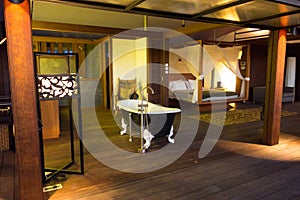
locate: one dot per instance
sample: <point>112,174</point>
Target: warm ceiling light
<point>16,1</point>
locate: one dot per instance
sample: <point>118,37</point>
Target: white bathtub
<point>152,110</point>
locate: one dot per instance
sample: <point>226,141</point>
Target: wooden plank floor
<point>238,167</point>
<point>8,176</point>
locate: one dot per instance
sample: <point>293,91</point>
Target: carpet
<point>233,117</point>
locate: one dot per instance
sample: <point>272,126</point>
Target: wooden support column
<point>274,86</point>
<point>200,82</point>
<point>23,92</point>
<point>247,73</point>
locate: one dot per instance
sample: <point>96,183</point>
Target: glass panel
<point>59,136</point>
<point>93,61</point>
<point>291,20</point>
<point>251,10</point>
<point>56,64</point>
<point>53,65</point>
<point>183,6</point>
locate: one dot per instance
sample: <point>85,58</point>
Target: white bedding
<point>207,95</point>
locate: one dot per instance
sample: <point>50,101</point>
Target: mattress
<point>218,95</point>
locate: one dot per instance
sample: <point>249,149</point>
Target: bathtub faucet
<point>141,109</point>
<point>145,88</point>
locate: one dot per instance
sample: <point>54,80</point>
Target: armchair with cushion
<point>125,89</point>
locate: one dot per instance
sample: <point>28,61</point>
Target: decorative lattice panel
<point>57,86</point>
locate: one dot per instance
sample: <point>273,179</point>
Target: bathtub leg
<point>124,126</point>
<point>147,137</point>
<point>171,140</point>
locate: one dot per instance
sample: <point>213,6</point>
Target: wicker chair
<point>125,89</point>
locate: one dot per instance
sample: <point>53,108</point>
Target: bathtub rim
<point>161,109</point>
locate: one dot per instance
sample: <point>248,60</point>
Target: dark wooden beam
<point>74,28</point>
<point>23,92</point>
<point>274,86</point>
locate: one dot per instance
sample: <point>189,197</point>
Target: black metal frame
<point>64,168</point>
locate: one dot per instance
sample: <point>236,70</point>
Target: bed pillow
<point>192,83</point>
<point>178,85</point>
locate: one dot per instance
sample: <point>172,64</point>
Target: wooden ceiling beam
<point>73,28</point>
<point>68,40</point>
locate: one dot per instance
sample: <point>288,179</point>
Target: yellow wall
<point>129,61</point>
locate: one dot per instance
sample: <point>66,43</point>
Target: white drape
<point>213,57</point>
<point>227,57</point>
<point>216,57</point>
<point>190,56</point>
<point>290,72</point>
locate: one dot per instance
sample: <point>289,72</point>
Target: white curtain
<point>290,72</point>
<point>228,57</point>
<point>190,56</point>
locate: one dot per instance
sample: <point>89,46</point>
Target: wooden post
<point>23,92</point>
<point>274,86</point>
<point>247,73</point>
<point>200,82</point>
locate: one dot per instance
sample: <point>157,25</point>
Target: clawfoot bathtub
<point>159,117</point>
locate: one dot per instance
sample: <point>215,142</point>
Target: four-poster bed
<point>215,78</point>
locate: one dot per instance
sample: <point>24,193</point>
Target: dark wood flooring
<point>238,167</point>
